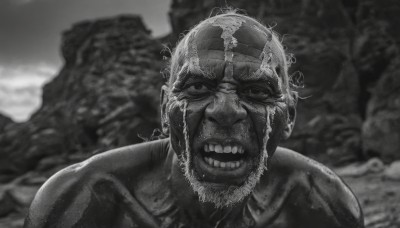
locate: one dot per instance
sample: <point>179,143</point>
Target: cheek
<point>278,124</point>
<point>193,117</point>
<point>259,118</point>
<point>175,116</point>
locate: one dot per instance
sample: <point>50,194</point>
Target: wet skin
<point>142,186</point>
<point>224,95</point>
<point>227,104</point>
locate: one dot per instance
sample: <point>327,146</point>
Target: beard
<point>231,194</point>
<point>224,197</point>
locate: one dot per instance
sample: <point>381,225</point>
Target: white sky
<point>30,34</point>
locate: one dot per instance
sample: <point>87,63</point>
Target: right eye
<point>197,89</point>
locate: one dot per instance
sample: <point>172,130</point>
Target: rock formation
<point>377,57</point>
<point>105,96</point>
<point>4,122</point>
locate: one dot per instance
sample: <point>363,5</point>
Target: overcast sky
<point>30,34</point>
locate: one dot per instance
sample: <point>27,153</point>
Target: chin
<point>220,189</point>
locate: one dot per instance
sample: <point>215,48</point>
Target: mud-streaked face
<point>226,106</point>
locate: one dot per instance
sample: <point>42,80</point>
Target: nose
<point>225,110</point>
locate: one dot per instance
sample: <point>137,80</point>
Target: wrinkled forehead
<point>234,34</point>
<point>233,39</point>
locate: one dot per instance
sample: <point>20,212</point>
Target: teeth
<point>223,149</point>
<point>216,163</point>
<point>218,149</point>
<point>224,165</point>
<point>234,150</point>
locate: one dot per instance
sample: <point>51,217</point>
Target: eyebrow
<point>260,76</point>
<point>184,74</point>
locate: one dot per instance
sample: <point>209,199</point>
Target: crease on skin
<point>229,26</point>
<point>267,131</point>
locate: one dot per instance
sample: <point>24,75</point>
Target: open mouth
<point>224,157</point>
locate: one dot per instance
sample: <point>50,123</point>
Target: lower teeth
<point>226,165</point>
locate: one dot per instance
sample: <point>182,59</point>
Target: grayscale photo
<point>199,114</point>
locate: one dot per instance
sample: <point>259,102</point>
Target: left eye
<point>197,89</point>
<point>256,92</point>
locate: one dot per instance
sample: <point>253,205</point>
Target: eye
<point>256,92</point>
<point>197,89</point>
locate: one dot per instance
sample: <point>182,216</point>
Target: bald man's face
<point>226,107</point>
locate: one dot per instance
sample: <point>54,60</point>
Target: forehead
<point>242,37</point>
<point>246,44</point>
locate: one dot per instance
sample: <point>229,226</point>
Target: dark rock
<point>4,122</point>
<point>375,43</point>
<point>105,96</point>
<point>23,195</point>
<point>14,220</point>
<point>50,162</point>
<point>393,171</point>
<point>7,205</point>
<point>381,129</point>
<point>376,57</point>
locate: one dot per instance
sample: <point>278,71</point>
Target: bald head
<point>231,38</point>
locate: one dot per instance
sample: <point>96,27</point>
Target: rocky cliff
<point>105,96</point>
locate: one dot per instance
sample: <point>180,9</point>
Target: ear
<point>291,117</point>
<point>164,114</point>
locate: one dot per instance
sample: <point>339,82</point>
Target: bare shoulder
<point>93,184</point>
<point>317,193</point>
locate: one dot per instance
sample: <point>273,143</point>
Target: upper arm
<point>68,200</point>
<point>327,202</point>
<point>320,198</point>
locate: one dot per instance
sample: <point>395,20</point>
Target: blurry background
<point>81,77</point>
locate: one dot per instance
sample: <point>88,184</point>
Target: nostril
<point>238,121</point>
<point>211,119</point>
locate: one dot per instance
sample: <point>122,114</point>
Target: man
<point>226,106</point>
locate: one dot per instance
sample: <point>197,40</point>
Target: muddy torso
<point>132,187</point>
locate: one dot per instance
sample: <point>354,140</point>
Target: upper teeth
<point>217,148</point>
